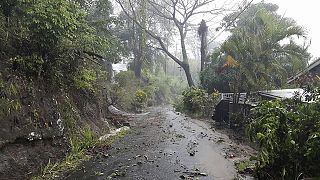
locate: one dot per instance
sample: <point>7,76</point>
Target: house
<point>307,76</point>
<point>231,104</point>
<point>233,107</point>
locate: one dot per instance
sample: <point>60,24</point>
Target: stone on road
<point>163,144</point>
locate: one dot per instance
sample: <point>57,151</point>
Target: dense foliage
<point>288,135</point>
<point>197,102</point>
<point>52,74</point>
<point>260,53</point>
<point>132,94</point>
<point>46,39</point>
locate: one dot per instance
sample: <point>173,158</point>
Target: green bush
<point>140,99</point>
<point>158,89</point>
<point>31,66</point>
<point>85,79</point>
<point>197,102</point>
<point>288,135</point>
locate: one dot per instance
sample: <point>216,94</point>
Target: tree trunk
<point>138,65</point>
<point>186,69</point>
<point>202,32</point>
<point>203,52</point>
<point>185,63</point>
<point>140,43</point>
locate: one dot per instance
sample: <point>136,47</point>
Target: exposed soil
<point>22,159</point>
<point>163,144</point>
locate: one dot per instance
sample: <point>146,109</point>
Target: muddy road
<point>166,145</point>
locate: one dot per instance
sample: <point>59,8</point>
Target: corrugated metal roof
<point>282,93</point>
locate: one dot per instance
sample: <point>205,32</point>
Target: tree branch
<point>151,34</point>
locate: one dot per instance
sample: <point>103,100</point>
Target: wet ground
<point>166,145</point>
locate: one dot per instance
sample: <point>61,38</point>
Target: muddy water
<point>198,138</point>
<point>166,145</point>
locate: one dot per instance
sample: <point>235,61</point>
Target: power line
<point>228,25</point>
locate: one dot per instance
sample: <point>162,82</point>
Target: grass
<point>80,143</point>
<point>53,170</point>
<point>242,166</point>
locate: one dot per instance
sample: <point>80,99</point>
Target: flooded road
<point>163,144</point>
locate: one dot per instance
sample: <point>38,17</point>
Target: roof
<point>273,94</point>
<point>229,97</point>
<point>308,69</point>
<point>281,93</point>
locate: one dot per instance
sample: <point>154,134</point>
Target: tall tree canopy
<point>47,38</point>
<point>260,54</point>
<point>178,13</point>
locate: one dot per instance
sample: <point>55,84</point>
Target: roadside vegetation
<point>56,76</point>
<point>196,102</point>
<point>80,146</point>
<point>288,135</point>
<point>131,94</point>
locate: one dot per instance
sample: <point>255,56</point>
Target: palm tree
<point>259,47</point>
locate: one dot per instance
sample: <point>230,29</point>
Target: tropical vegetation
<point>259,54</point>
<point>288,135</point>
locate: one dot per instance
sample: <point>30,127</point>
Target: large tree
<point>261,52</point>
<point>179,13</point>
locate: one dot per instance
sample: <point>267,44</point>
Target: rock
<point>113,133</point>
<point>106,155</point>
<point>126,124</point>
<point>220,141</point>
<point>182,177</point>
<point>203,174</point>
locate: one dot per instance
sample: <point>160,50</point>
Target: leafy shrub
<point>197,102</point>
<point>127,79</point>
<point>85,79</point>
<point>140,99</point>
<point>30,65</point>
<point>288,134</point>
<point>130,93</point>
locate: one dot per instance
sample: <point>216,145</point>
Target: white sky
<point>306,14</point>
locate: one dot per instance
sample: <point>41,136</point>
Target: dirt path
<point>165,145</point>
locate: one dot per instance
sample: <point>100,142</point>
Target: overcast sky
<point>306,14</point>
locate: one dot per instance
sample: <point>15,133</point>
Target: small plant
<point>85,80</point>
<point>32,65</point>
<point>245,167</point>
<point>140,98</point>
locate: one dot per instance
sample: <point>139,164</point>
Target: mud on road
<point>166,145</point>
